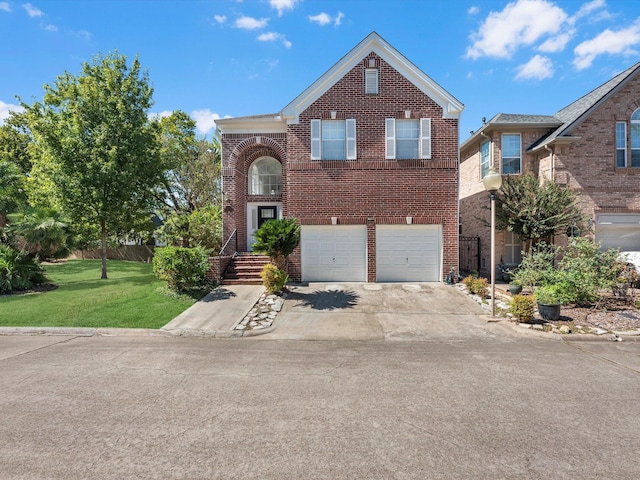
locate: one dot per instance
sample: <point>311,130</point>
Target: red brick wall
<point>370,190</point>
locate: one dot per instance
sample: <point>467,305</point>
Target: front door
<point>267,213</point>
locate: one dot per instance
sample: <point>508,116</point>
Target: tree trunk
<point>103,253</point>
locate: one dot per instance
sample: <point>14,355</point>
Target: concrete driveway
<point>356,311</point>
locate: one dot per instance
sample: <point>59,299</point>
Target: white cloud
<point>324,18</point>
<point>557,43</point>
<point>32,11</point>
<point>588,9</point>
<point>607,42</point>
<point>250,23</point>
<point>282,5</point>
<point>220,18</point>
<point>538,68</point>
<point>5,6</point>
<point>522,22</point>
<point>473,10</point>
<point>205,120</point>
<point>321,18</point>
<point>51,28</point>
<point>5,108</point>
<point>274,36</point>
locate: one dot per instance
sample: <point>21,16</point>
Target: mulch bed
<point>45,287</point>
<point>613,314</point>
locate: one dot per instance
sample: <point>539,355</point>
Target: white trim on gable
<point>451,107</point>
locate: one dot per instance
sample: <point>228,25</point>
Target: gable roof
<point>565,120</point>
<point>577,112</point>
<point>451,107</point>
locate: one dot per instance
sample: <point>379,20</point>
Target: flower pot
<point>549,312</point>
<point>515,288</point>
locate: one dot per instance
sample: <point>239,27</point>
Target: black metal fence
<point>469,254</point>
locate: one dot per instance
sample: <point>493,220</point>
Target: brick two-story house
<point>366,159</point>
<point>591,146</point>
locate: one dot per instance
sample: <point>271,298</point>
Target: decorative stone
<point>564,329</point>
<point>277,306</point>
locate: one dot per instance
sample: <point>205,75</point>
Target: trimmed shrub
<point>18,271</point>
<point>182,268</point>
<point>522,307</point>
<point>476,285</point>
<point>273,278</point>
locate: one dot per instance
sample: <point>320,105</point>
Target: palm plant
<point>277,239</point>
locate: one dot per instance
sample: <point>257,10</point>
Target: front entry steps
<point>244,269</point>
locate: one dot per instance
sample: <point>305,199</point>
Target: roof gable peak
<point>374,43</point>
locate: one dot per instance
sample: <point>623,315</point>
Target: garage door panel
<point>408,253</point>
<point>334,253</point>
<point>618,231</point>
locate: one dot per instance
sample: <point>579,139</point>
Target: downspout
<point>552,163</point>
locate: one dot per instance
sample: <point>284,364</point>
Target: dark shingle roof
<point>572,114</point>
<point>516,118</point>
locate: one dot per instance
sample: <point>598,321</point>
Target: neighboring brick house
<point>366,158</point>
<point>591,146</point>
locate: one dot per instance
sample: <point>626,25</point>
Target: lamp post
<point>492,182</point>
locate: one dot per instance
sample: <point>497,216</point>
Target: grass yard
<point>132,297</point>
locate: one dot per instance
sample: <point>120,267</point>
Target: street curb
<point>570,337</point>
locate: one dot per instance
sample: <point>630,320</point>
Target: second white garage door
<point>618,231</point>
<point>334,253</point>
<point>408,253</point>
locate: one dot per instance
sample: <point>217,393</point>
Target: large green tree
<point>190,191</point>
<point>97,150</point>
<point>536,210</point>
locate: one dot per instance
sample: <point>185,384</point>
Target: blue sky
<point>221,58</point>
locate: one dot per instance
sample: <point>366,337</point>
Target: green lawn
<point>132,297</point>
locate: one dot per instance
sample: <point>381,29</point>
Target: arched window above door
<point>265,177</point>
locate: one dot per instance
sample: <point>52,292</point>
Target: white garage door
<point>334,253</point>
<point>408,253</point>
<point>618,231</point>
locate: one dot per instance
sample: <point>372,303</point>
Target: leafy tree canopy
<point>536,210</point>
<point>98,152</point>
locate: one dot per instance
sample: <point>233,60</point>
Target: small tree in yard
<point>536,211</point>
<point>277,239</point>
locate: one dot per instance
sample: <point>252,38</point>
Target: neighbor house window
<point>621,144</point>
<point>484,159</point>
<point>511,153</point>
<point>635,139</point>
<point>408,138</point>
<point>333,139</point>
<point>265,177</point>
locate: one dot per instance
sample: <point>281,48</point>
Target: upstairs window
<point>333,139</point>
<point>484,159</point>
<point>635,138</point>
<point>621,144</point>
<point>265,177</point>
<point>408,138</point>
<point>511,154</point>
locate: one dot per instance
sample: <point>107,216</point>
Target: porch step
<point>245,269</point>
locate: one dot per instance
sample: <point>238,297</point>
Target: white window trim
<point>424,140</point>
<point>503,157</point>
<point>371,81</point>
<point>350,139</point>
<point>488,162</point>
<point>624,147</point>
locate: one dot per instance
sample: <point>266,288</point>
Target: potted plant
<point>515,286</point>
<point>550,299</point>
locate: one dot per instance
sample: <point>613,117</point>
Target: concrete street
<point>476,406</point>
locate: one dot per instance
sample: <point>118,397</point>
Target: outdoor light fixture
<point>492,182</point>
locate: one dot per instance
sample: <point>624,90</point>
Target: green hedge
<point>182,268</point>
